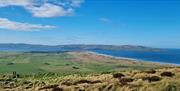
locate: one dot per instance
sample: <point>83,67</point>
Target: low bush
<point>118,75</point>
<point>124,81</point>
<point>167,74</point>
<point>152,78</point>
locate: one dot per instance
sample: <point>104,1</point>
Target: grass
<point>79,71</point>
<point>95,82</point>
<point>64,63</point>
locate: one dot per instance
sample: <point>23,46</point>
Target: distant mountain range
<point>31,47</point>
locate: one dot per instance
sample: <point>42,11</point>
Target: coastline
<point>133,59</point>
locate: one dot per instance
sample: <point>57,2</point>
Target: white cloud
<point>49,10</point>
<point>45,8</point>
<point>4,3</point>
<point>11,25</point>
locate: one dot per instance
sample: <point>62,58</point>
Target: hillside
<point>76,71</point>
<point>30,47</point>
<point>164,79</point>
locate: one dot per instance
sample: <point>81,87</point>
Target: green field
<point>71,62</point>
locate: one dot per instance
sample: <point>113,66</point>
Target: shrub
<point>81,82</point>
<point>94,82</point>
<point>18,76</point>
<point>124,81</point>
<point>49,87</point>
<point>15,75</point>
<point>47,63</point>
<point>74,67</point>
<point>57,89</point>
<point>27,82</point>
<point>67,83</point>
<point>10,63</point>
<point>152,71</point>
<point>67,64</point>
<point>118,75</point>
<point>167,74</point>
<point>152,78</point>
<point>171,88</point>
<point>105,72</point>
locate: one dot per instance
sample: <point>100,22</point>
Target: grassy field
<point>131,80</point>
<point>82,71</point>
<point>70,62</point>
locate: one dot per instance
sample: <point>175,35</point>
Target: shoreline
<point>133,59</point>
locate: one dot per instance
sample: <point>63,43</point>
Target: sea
<point>167,56</point>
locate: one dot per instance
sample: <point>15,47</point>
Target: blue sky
<point>154,23</point>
